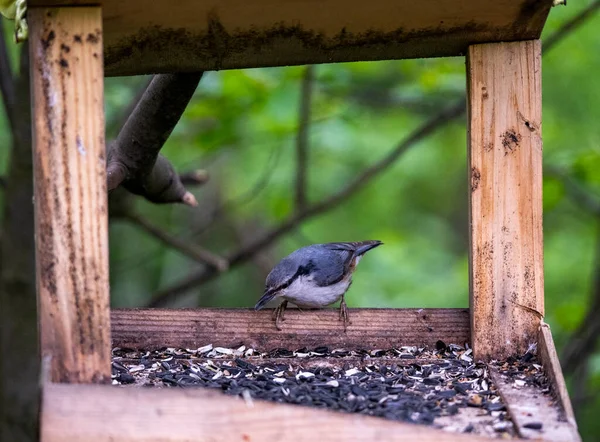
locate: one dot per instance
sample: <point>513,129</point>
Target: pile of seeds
<point>525,371</point>
<point>442,387</point>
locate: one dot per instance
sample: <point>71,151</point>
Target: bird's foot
<point>344,315</point>
<point>278,314</point>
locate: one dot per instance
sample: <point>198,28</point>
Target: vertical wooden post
<point>71,221</point>
<point>505,166</point>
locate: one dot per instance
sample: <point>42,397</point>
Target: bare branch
<point>165,296</point>
<point>191,250</point>
<point>134,159</point>
<point>7,81</point>
<point>302,138</point>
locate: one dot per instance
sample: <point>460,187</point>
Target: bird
<point>314,276</point>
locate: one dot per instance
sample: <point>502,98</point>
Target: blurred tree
<point>18,318</point>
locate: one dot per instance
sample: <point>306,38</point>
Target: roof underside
<point>159,36</point>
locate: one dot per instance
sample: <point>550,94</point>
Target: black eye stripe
<point>302,271</point>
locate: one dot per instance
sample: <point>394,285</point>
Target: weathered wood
<point>505,167</point>
<point>551,363</point>
<point>526,405</point>
<point>151,36</point>
<point>370,328</point>
<point>74,413</point>
<point>70,192</point>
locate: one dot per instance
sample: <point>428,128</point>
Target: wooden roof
<point>158,36</point>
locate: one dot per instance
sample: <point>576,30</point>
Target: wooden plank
<point>73,413</point>
<point>551,363</point>
<point>527,405</point>
<point>505,164</point>
<point>71,223</point>
<point>152,36</point>
<point>370,328</point>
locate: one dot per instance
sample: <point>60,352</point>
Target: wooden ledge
<point>80,413</point>
<point>370,328</point>
<point>549,357</point>
<point>159,36</point>
<point>73,413</point>
<point>525,405</point>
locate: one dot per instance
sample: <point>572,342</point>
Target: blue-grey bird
<point>315,276</point>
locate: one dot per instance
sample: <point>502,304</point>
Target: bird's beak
<point>265,299</point>
<point>366,247</point>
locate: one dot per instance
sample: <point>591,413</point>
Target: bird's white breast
<point>305,293</point>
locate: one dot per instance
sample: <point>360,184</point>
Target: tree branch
<point>581,393</point>
<point>193,251</point>
<point>571,25</point>
<point>165,296</point>
<point>19,375</point>
<point>302,137</point>
<point>583,341</point>
<point>7,82</point>
<point>246,197</point>
<point>585,199</point>
<point>133,158</point>
<point>194,178</point>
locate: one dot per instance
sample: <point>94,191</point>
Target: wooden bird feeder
<point>75,43</point>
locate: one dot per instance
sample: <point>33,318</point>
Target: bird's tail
<point>265,299</point>
<point>363,247</point>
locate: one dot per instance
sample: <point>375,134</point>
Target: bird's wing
<point>326,263</point>
<point>330,265</point>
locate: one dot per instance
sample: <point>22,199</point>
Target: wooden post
<point>505,167</point>
<point>71,221</point>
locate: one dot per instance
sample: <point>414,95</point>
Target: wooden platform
<point>152,36</point>
<point>73,47</point>
<point>78,413</point>
<point>81,412</point>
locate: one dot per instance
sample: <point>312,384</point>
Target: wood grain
<point>152,36</point>
<point>505,166</point>
<point>551,363</point>
<point>71,223</point>
<point>370,328</point>
<point>80,413</point>
<point>526,405</point>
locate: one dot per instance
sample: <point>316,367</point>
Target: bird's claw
<point>344,315</point>
<point>278,314</point>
